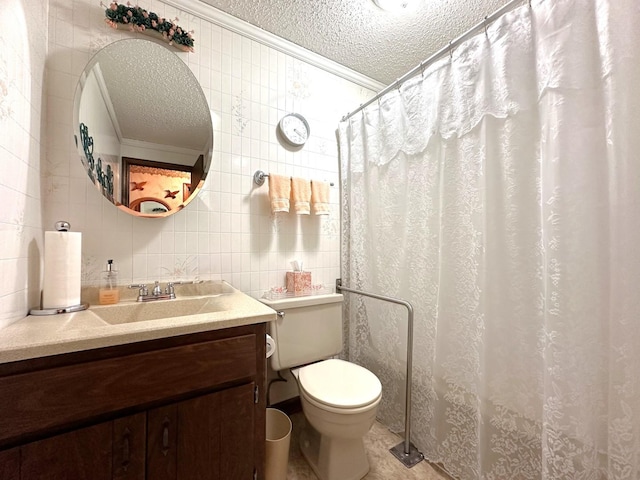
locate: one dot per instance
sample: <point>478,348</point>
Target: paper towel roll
<point>62,268</point>
<point>271,345</point>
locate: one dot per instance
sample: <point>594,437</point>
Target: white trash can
<point>278,439</point>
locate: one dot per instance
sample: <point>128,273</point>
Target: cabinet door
<point>199,440</point>
<point>80,454</point>
<point>10,464</point>
<point>215,437</point>
<point>236,416</point>
<point>162,435</point>
<point>129,445</point>
<point>184,440</point>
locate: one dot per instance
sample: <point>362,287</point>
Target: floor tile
<point>384,466</point>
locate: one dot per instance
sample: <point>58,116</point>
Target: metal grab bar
<point>406,452</point>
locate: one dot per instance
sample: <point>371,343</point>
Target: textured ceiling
<point>155,96</point>
<point>357,34</point>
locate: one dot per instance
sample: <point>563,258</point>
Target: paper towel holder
<point>60,226</point>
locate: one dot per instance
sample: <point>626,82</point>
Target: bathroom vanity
<point>166,398</point>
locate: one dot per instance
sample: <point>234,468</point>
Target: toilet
<point>339,399</point>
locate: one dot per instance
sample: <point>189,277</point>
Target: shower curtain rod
<point>447,48</point>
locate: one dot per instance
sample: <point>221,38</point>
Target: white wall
<point>227,232</point>
<point>23,44</point>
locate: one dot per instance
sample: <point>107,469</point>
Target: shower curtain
<point>499,193</point>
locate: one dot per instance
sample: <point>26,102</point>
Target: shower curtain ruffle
<point>491,74</point>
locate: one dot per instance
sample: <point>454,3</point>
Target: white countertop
<point>41,336</point>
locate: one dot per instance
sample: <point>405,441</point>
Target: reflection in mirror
<point>149,205</point>
<point>143,128</point>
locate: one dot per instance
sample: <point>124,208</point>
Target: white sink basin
<point>156,310</point>
<point>209,297</point>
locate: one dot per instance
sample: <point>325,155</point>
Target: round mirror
<point>143,128</point>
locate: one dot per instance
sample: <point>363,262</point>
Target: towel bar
<point>259,176</point>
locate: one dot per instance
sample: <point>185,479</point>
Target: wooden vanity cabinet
<point>181,408</point>
<point>10,464</point>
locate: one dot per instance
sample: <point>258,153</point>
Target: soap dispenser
<point>108,293</point>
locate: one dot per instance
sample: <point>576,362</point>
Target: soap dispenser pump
<point>108,293</point>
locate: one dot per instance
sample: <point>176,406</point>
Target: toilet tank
<point>310,330</point>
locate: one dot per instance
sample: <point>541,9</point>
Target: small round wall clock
<point>294,129</point>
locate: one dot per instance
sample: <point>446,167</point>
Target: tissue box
<point>299,283</point>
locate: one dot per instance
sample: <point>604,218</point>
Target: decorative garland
<point>138,19</point>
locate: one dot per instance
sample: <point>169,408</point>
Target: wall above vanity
<point>249,79</point>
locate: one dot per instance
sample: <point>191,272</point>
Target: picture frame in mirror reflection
<point>137,105</point>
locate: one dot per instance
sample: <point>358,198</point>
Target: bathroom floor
<point>384,466</point>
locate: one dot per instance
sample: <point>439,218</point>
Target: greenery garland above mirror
<point>138,19</point>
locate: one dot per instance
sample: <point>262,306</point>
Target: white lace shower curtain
<point>499,193</point>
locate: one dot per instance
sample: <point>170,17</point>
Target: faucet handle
<point>156,288</point>
<point>169,290</point>
<point>143,288</point>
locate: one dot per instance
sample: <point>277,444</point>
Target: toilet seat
<point>340,384</point>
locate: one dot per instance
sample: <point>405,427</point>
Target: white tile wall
<point>228,232</point>
<point>23,43</point>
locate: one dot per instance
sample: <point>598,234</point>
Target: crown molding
<point>223,19</point>
<point>141,144</point>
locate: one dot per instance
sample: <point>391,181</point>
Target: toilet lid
<point>340,384</point>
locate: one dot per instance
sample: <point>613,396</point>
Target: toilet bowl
<point>340,401</point>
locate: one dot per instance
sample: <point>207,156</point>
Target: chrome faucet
<point>156,293</point>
